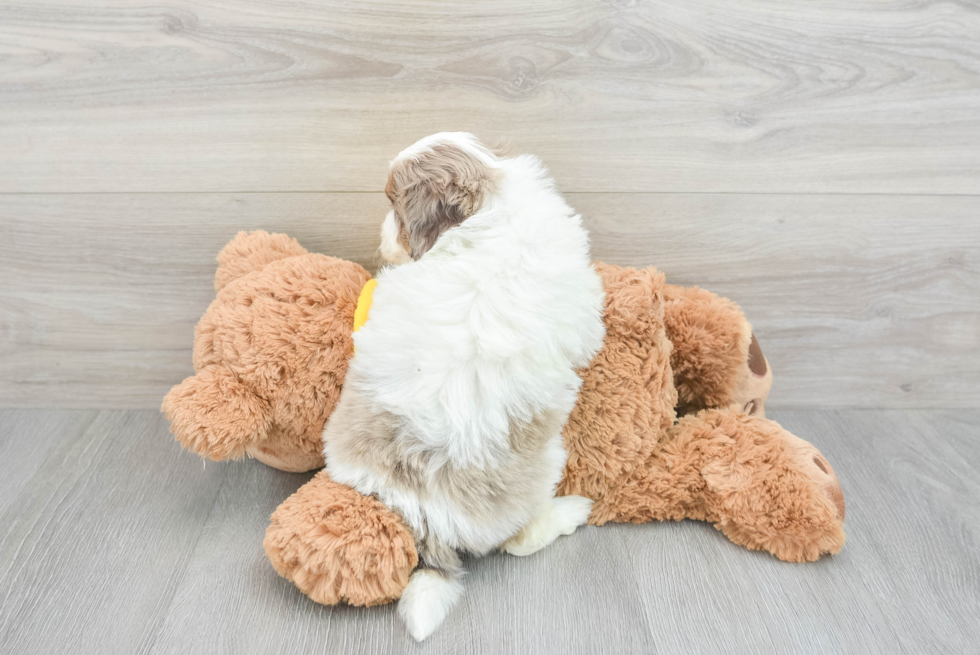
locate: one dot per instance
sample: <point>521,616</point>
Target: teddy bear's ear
<point>251,251</point>
<point>215,415</point>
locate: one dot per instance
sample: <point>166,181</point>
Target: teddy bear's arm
<point>716,360</point>
<point>214,415</point>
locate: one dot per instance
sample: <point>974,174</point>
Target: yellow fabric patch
<point>364,304</point>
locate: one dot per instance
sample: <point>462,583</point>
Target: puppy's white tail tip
<point>426,601</point>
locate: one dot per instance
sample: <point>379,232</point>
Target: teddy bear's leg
<point>765,488</point>
<point>716,360</point>
<point>251,251</point>
<point>215,415</point>
<point>337,545</point>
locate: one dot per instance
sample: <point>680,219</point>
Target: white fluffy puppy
<point>453,405</point>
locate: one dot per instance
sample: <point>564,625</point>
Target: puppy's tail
<point>432,591</point>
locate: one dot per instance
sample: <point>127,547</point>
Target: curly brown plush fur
<point>271,354</point>
<point>337,545</point>
<point>756,482</point>
<point>627,397</point>
<point>716,359</point>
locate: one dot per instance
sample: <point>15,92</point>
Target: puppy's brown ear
<point>437,190</point>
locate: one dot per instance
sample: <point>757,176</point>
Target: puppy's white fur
<point>485,328</point>
<point>391,250</point>
<point>559,517</point>
<point>426,601</point>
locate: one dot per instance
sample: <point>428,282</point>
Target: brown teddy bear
<point>272,350</point>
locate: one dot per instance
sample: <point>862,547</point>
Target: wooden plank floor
<point>113,540</point>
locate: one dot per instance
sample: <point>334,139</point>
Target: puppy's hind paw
<point>560,517</point>
<point>571,512</point>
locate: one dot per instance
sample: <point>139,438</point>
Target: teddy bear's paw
<point>775,492</point>
<point>559,517</point>
<point>337,545</point>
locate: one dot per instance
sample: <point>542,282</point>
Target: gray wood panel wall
<point>818,163</point>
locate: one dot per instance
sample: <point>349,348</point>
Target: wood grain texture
<point>858,300</point>
<point>817,162</point>
<point>95,539</point>
<point>121,543</point>
<point>99,294</point>
<point>678,95</point>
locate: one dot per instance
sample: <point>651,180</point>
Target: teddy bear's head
<point>270,354</point>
